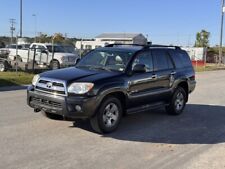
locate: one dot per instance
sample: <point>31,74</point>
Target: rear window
<point>180,58</point>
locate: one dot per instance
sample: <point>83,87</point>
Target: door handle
<point>154,76</point>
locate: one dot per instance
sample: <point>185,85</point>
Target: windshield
<point>69,49</point>
<point>57,49</point>
<point>106,60</point>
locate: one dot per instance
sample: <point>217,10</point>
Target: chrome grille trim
<point>58,87</point>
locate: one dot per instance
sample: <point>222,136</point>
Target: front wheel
<point>55,65</point>
<point>178,102</point>
<point>108,117</point>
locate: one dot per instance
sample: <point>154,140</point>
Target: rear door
<point>164,71</point>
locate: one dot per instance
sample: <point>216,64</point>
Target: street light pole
<point>221,34</point>
<point>35,26</point>
<point>21,18</point>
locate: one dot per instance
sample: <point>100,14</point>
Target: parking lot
<point>196,139</point>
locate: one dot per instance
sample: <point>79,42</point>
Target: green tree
<point>58,38</point>
<point>43,38</point>
<point>202,39</point>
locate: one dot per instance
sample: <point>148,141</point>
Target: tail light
<point>192,77</point>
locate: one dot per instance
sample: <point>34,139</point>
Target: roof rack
<point>163,46</point>
<point>121,44</point>
<point>144,46</point>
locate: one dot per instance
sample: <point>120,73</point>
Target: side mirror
<point>139,68</point>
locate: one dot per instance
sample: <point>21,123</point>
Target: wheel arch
<point>184,85</point>
<point>119,94</point>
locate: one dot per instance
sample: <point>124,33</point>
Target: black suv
<point>115,80</point>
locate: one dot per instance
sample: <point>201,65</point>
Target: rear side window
<point>185,58</point>
<point>162,60</point>
<point>181,58</point>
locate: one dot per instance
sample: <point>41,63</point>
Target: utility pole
<point>12,28</point>
<point>221,34</point>
<point>21,18</point>
<point>35,27</point>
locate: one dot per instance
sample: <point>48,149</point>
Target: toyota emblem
<point>49,85</point>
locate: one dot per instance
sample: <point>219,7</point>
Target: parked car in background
<point>55,56</point>
<point>115,80</point>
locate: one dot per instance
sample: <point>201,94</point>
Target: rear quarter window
<point>181,58</point>
<point>162,60</point>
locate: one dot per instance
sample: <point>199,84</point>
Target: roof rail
<point>144,46</point>
<point>163,46</point>
<point>121,44</point>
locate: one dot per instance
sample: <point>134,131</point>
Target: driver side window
<point>144,58</point>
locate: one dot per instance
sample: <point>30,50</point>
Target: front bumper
<point>62,105</point>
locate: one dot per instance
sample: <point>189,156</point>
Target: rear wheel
<point>108,116</point>
<point>178,102</point>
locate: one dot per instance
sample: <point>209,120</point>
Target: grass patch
<point>15,79</point>
<point>209,67</point>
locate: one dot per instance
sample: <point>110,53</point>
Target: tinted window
<point>181,58</point>
<point>144,58</point>
<point>185,58</point>
<point>162,60</point>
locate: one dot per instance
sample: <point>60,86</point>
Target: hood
<point>77,74</point>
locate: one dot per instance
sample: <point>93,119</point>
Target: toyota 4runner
<point>115,80</point>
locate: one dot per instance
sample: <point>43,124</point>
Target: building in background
<point>111,38</point>
<point>197,55</point>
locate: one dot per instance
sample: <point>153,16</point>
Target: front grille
<point>71,59</point>
<point>51,86</point>
<point>46,102</point>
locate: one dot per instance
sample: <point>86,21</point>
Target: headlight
<point>80,88</point>
<point>63,58</point>
<point>35,80</point>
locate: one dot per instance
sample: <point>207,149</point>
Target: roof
<point>118,35</point>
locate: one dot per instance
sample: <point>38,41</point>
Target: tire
<point>108,116</point>
<point>55,65</point>
<point>178,102</point>
<point>2,67</point>
<point>52,116</point>
<point>18,58</point>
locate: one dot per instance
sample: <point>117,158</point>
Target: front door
<point>141,85</point>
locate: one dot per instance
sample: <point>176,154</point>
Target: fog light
<point>78,108</point>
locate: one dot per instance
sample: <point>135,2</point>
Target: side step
<point>145,107</point>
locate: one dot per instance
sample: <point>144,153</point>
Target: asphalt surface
<point>196,139</point>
